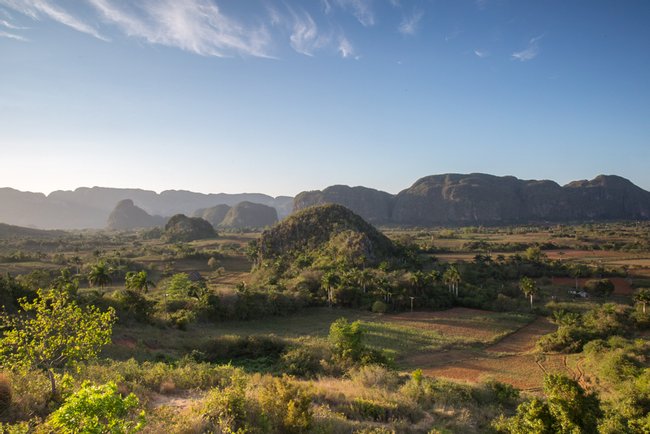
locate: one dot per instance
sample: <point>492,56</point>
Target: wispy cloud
<point>10,26</point>
<point>410,23</point>
<point>197,26</point>
<point>38,9</point>
<point>481,4</point>
<point>345,48</point>
<point>8,35</point>
<point>482,53</point>
<point>530,52</point>
<point>361,9</point>
<point>305,38</point>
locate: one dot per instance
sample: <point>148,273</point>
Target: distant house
<point>582,294</point>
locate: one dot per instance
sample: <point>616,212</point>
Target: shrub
<point>303,361</point>
<point>286,406</point>
<point>226,409</point>
<point>133,305</point>
<point>374,376</point>
<point>98,409</point>
<point>379,307</point>
<point>182,318</point>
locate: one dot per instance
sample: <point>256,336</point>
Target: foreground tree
<point>53,332</point>
<point>529,288</point>
<point>138,281</point>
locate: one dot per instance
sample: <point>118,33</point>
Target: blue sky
<point>280,97</point>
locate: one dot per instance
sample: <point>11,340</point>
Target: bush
<point>133,305</point>
<point>374,376</point>
<point>98,409</point>
<point>303,361</point>
<point>226,409</point>
<point>287,406</point>
<point>379,307</point>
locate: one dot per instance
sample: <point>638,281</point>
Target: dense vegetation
<point>127,332</point>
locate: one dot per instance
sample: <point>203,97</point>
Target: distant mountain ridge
<point>90,207</point>
<point>478,198</point>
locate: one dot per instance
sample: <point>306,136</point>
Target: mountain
<point>320,230</point>
<point>127,216</point>
<point>90,207</point>
<point>249,215</point>
<point>214,215</point>
<point>457,199</point>
<point>183,228</point>
<point>373,205</point>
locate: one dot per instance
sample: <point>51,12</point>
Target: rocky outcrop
<point>183,228</point>
<point>249,215</point>
<point>477,198</point>
<point>214,215</point>
<point>127,216</point>
<point>373,205</point>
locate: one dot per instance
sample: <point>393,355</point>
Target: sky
<point>279,97</point>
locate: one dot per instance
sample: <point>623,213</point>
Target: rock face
<point>373,205</point>
<point>183,228</point>
<point>90,207</point>
<point>127,216</point>
<point>214,215</point>
<point>462,199</point>
<point>320,228</point>
<point>249,215</point>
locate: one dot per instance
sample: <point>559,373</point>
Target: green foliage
<point>642,297</point>
<point>567,410</point>
<point>286,406</point>
<point>529,288</point>
<point>100,274</point>
<point>379,307</point>
<point>132,304</point>
<point>180,284</point>
<point>226,409</point>
<point>303,361</point>
<point>138,281</point>
<point>96,410</point>
<point>54,332</point>
<point>346,339</point>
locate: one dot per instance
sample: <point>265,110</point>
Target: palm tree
<point>138,281</point>
<point>643,297</point>
<point>365,279</point>
<point>451,278</point>
<point>100,274</point>
<point>329,280</point>
<point>529,288</point>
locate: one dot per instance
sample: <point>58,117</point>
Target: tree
<point>573,410</point>
<point>346,339</point>
<point>642,297</point>
<point>98,409</point>
<point>451,278</point>
<point>100,274</point>
<point>53,332</point>
<point>329,281</point>
<point>529,288</point>
<point>138,281</point>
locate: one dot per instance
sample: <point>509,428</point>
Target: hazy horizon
<point>280,97</point>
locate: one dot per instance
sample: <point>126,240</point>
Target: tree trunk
<point>531,301</point>
<point>50,375</point>
<point>644,308</point>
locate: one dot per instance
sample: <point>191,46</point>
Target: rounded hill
<point>325,229</point>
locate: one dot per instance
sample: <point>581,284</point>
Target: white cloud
<point>361,9</point>
<point>8,35</point>
<point>481,53</point>
<point>38,9</point>
<point>345,48</point>
<point>409,24</point>
<point>197,26</point>
<point>530,52</point>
